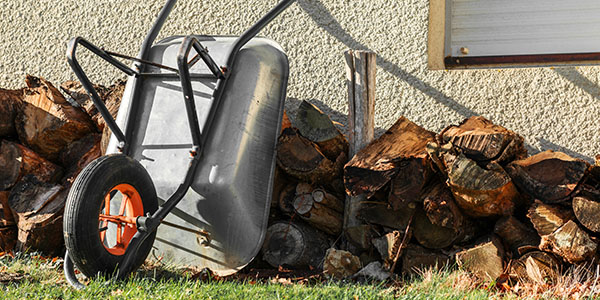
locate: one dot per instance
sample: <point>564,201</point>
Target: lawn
<point>34,277</point>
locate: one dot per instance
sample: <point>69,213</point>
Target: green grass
<point>43,279</point>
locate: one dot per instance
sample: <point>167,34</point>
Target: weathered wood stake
<point>360,75</point>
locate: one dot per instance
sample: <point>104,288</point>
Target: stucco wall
<point>553,108</point>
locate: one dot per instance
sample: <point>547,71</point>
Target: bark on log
<point>79,154</point>
<point>286,199</point>
<point>381,214</point>
<point>375,165</point>
<point>302,159</point>
<point>481,140</point>
<point>569,242</point>
<point>440,207</point>
<point>6,214</point>
<point>318,215</point>
<point>38,209</point>
<point>316,126</point>
<point>536,266</point>
<point>548,176</point>
<point>17,161</point>
<point>47,123</point>
<point>294,244</point>
<point>417,258</point>
<point>329,200</point>
<point>587,211</point>
<point>516,234</point>
<point>480,192</point>
<point>10,104</point>
<point>484,259</point>
<point>547,218</point>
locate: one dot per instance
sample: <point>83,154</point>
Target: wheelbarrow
<point>189,168</point>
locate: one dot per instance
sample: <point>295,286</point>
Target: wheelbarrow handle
<point>89,87</point>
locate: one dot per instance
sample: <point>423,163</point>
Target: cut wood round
<point>440,207</point>
<point>516,234</point>
<point>548,176</point>
<point>303,203</point>
<point>480,192</point>
<point>10,104</point>
<point>481,140</point>
<point>17,161</point>
<point>417,258</point>
<point>302,159</point>
<point>547,218</point>
<point>570,242</point>
<point>536,266</point>
<point>375,165</point>
<point>286,199</point>
<point>587,212</point>
<point>48,123</point>
<point>316,126</point>
<point>484,259</point>
<point>294,244</point>
<point>430,235</point>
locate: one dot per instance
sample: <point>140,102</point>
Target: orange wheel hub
<point>130,208</point>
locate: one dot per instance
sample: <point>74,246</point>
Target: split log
<point>388,246</point>
<point>548,176</point>
<point>38,209</point>
<point>79,154</point>
<point>417,258</point>
<point>6,214</point>
<point>381,214</point>
<point>481,140</point>
<point>587,211</point>
<point>17,161</point>
<point>547,218</point>
<point>569,242</point>
<point>340,264</point>
<point>375,165</point>
<point>537,266</point>
<point>433,236</point>
<point>440,207</point>
<point>8,238</point>
<point>10,104</point>
<point>302,159</point>
<point>484,259</point>
<point>316,126</point>
<point>480,192</point>
<point>48,123</point>
<point>294,244</point>
<point>515,234</point>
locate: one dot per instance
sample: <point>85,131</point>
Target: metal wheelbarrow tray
<point>201,115</point>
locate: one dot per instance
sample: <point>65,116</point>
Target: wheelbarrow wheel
<point>100,213</point>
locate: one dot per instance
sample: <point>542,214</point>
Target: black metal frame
<point>148,224</point>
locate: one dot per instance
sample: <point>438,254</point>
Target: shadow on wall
<point>324,19</point>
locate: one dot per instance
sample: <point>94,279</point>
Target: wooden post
<point>360,74</point>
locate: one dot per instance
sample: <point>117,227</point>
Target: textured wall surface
<point>553,108</point>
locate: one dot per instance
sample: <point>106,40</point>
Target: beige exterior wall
<point>553,108</point>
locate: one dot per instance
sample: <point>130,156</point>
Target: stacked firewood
<point>469,195</point>
<point>46,138</point>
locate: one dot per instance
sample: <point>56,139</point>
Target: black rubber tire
<point>82,209</point>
